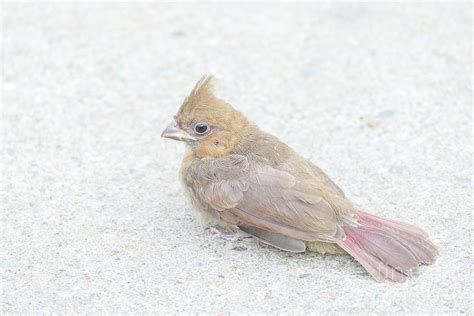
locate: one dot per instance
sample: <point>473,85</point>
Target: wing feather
<point>265,198</point>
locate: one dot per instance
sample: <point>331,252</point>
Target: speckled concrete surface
<point>93,216</point>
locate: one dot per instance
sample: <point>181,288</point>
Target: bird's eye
<point>201,128</point>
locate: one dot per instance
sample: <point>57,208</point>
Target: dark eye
<point>201,128</point>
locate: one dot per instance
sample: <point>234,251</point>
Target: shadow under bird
<point>247,180</point>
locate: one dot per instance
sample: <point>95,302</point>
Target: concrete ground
<point>94,218</point>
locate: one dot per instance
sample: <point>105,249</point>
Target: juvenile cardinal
<point>247,180</point>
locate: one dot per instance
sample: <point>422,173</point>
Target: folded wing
<point>265,199</point>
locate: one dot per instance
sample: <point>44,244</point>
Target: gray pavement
<point>93,216</point>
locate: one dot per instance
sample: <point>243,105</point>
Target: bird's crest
<point>204,85</point>
<point>203,106</point>
<point>201,95</point>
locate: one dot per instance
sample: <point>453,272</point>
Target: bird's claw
<point>227,234</point>
<point>223,234</point>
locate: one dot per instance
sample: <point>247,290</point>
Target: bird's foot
<point>227,234</point>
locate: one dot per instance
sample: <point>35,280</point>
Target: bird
<point>247,181</point>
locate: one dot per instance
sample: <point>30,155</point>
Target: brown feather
<point>243,177</point>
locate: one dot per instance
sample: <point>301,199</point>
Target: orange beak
<point>175,132</point>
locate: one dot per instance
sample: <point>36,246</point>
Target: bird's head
<point>210,126</point>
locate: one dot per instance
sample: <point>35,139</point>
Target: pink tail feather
<point>388,249</point>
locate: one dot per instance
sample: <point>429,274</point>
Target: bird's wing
<point>265,199</point>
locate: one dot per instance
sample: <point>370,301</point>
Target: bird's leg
<point>223,233</point>
<point>228,235</point>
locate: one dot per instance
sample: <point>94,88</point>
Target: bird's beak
<point>173,131</point>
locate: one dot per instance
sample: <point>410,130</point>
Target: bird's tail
<point>388,249</point>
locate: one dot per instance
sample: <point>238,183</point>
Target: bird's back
<point>280,156</point>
